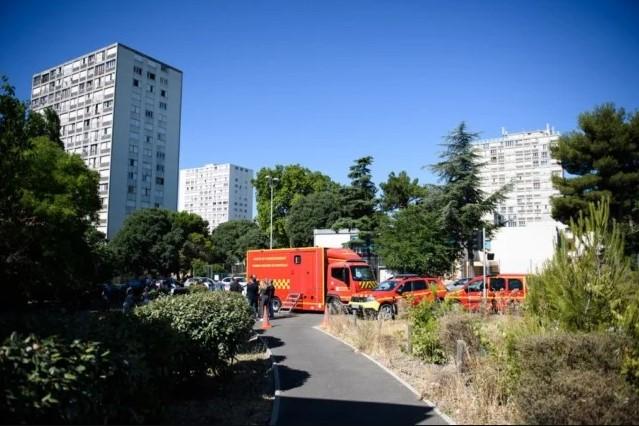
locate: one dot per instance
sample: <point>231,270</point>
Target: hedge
<point>117,368</point>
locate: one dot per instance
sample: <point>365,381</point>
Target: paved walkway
<point>324,382</point>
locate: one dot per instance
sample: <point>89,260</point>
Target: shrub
<point>215,325</point>
<point>53,381</point>
<point>573,379</point>
<point>460,326</point>
<point>425,335</point>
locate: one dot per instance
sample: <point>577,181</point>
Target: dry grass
<point>242,396</point>
<point>470,398</point>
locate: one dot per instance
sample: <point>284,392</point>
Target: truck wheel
<point>386,312</point>
<point>335,306</point>
<point>277,304</point>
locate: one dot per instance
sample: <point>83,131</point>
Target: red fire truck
<point>308,278</point>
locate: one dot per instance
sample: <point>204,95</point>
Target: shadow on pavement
<point>291,378</point>
<point>308,411</point>
<point>279,358</point>
<point>272,342</point>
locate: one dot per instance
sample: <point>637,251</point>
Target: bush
<point>460,326</point>
<point>53,381</point>
<point>573,379</point>
<point>425,335</point>
<point>215,325</point>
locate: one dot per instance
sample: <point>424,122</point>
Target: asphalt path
<point>324,382</point>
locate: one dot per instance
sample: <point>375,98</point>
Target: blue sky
<point>321,83</point>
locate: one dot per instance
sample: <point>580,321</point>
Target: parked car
<point>458,284</point>
<point>166,285</point>
<point>382,301</point>
<point>503,291</point>
<point>209,283</point>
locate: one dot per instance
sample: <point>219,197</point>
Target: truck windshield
<point>362,273</point>
<point>387,285</point>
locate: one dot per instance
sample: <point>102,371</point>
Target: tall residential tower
<point>119,110</point>
<point>522,159</point>
<point>217,192</point>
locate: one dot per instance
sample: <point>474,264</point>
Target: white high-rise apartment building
<point>523,159</point>
<point>217,192</point>
<point>119,110</point>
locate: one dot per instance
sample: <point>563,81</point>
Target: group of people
<point>259,294</point>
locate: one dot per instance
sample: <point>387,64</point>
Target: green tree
<point>588,285</point>
<point>232,239</point>
<point>49,199</point>
<point>602,160</point>
<point>314,211</point>
<point>413,240</point>
<point>147,243</point>
<point>463,205</point>
<point>293,182</point>
<point>399,192</point>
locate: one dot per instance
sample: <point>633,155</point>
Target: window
<point>497,284</point>
<point>340,274</point>
<point>136,82</point>
<point>164,81</point>
<point>149,75</point>
<point>133,162</point>
<point>131,189</point>
<point>476,287</point>
<point>419,285</point>
<point>148,114</point>
<point>515,284</point>
<point>163,93</point>
<point>137,70</point>
<point>163,105</point>
<point>407,287</point>
<point>160,155</point>
<point>133,149</point>
<point>297,259</point>
<point>149,88</point>
<point>159,181</point>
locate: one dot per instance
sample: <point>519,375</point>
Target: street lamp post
<point>271,181</point>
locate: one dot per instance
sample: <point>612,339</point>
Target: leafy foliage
<point>314,211</point>
<point>425,337</point>
<point>573,379</point>
<point>602,160</point>
<point>44,380</point>
<point>232,239</point>
<point>588,285</point>
<point>358,200</point>
<point>413,240</point>
<point>399,192</point>
<point>49,199</point>
<point>293,183</point>
<point>463,203</point>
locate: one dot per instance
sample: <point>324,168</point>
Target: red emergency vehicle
<point>310,277</point>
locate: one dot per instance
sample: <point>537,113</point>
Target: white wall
<point>525,249</point>
<point>332,239</point>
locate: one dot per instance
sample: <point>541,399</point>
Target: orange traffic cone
<point>265,322</point>
<point>326,320</point>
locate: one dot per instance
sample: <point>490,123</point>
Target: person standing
<point>129,301</point>
<point>263,292</point>
<point>252,289</point>
<point>270,288</point>
<point>236,286</point>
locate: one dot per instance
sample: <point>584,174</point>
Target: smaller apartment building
<point>217,192</point>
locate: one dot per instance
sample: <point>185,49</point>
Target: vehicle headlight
<point>370,299</point>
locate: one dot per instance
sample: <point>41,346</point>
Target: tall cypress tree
<point>463,204</point>
<point>602,161</point>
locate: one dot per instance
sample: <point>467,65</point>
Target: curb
<point>444,417</point>
<point>275,411</point>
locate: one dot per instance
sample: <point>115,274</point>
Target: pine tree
<point>463,204</point>
<point>602,160</point>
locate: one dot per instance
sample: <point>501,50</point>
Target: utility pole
<point>271,181</point>
<point>483,241</point>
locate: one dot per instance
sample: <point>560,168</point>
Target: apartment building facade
<point>524,160</point>
<point>120,110</point>
<point>217,192</point>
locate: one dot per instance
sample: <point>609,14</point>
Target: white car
<point>209,283</point>
<point>226,282</point>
